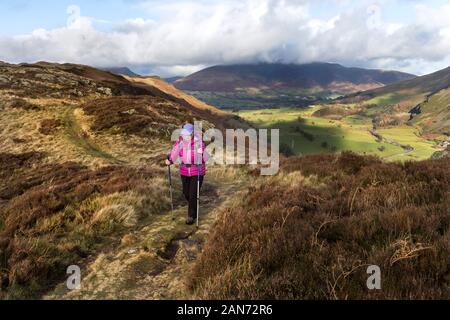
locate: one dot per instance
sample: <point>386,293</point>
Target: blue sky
<point>181,36</point>
<point>23,16</point>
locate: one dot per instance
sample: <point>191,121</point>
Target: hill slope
<point>415,89</point>
<point>339,214</point>
<point>427,98</point>
<point>80,171</point>
<point>220,117</point>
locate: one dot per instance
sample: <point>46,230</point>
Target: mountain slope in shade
<point>173,79</point>
<point>325,76</point>
<point>122,71</point>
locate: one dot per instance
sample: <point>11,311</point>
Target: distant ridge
<point>318,75</point>
<point>173,79</point>
<point>122,71</point>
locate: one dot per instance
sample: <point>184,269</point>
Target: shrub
<point>49,126</point>
<point>317,242</point>
<point>308,136</point>
<point>286,150</point>
<point>301,120</point>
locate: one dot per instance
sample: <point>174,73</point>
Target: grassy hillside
<point>81,176</point>
<point>428,95</point>
<point>338,215</point>
<point>435,114</point>
<point>412,89</point>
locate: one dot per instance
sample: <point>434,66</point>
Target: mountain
<point>256,86</point>
<point>426,98</point>
<point>324,76</point>
<point>122,71</point>
<point>173,79</point>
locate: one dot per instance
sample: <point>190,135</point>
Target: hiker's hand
<point>168,163</point>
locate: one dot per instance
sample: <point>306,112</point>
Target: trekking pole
<point>170,189</point>
<point>198,195</point>
<point>199,161</point>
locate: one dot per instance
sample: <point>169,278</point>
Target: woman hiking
<point>190,149</point>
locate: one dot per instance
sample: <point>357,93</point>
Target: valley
<point>252,98</point>
<point>212,158</point>
<point>305,132</point>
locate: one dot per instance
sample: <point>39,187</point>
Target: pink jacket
<point>187,152</point>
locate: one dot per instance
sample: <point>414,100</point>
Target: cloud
<point>190,35</point>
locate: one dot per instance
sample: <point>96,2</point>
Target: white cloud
<point>191,35</point>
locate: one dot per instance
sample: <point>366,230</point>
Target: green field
<point>308,134</point>
<point>397,97</point>
<point>259,98</point>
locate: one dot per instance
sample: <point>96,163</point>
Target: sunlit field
<point>305,133</point>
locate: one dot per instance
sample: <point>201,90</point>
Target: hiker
<point>190,149</point>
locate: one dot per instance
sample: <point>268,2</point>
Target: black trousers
<point>190,193</point>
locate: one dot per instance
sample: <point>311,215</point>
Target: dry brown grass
<point>21,131</point>
<point>171,90</point>
<point>220,118</point>
<point>72,182</point>
<point>311,232</point>
<point>110,132</point>
<point>137,115</point>
<point>56,214</point>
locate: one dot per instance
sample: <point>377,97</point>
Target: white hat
<point>188,129</point>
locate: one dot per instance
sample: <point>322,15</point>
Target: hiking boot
<point>190,221</point>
